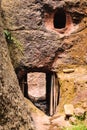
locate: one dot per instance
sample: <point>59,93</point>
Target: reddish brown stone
<point>36,86</point>
<point>31,23</point>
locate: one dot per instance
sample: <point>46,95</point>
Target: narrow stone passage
<point>43,89</point>
<point>44,122</point>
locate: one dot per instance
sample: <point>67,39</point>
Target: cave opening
<point>59,20</point>
<point>43,89</point>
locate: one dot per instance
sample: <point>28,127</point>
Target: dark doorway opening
<point>24,86</point>
<point>59,19</point>
<point>49,104</point>
<point>48,90</point>
<point>22,78</point>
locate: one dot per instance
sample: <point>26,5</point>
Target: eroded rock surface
<point>36,86</point>
<point>48,46</point>
<point>41,46</point>
<point>73,88</point>
<point>14,113</point>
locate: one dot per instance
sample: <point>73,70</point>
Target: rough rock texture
<point>41,46</point>
<point>73,88</point>
<point>14,113</point>
<point>36,86</point>
<point>44,48</point>
<point>41,120</point>
<point>59,122</point>
<point>80,113</point>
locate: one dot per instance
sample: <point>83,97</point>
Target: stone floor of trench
<point>45,122</point>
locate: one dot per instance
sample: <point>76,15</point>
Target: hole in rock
<point>43,89</point>
<point>59,19</point>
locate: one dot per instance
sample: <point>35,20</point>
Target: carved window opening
<point>59,19</point>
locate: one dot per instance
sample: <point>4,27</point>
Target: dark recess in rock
<point>59,19</point>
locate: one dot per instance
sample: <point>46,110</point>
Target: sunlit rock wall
<point>43,45</point>
<point>46,45</point>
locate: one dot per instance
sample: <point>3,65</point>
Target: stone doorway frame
<point>52,90</point>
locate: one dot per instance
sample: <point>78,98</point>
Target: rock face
<point>80,113</point>
<point>73,88</point>
<point>53,37</point>
<point>36,86</point>
<point>44,40</point>
<point>14,113</point>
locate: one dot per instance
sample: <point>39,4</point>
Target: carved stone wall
<point>36,86</point>
<point>45,45</point>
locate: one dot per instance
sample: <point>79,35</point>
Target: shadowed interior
<point>44,104</point>
<point>59,19</point>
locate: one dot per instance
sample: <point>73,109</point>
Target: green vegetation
<point>8,36</point>
<point>82,117</point>
<point>76,127</point>
<point>15,48</point>
<point>10,39</point>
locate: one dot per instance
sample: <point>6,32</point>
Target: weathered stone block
<point>44,26</point>
<point>73,120</point>
<point>69,109</point>
<point>73,88</point>
<point>36,85</point>
<point>80,113</point>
